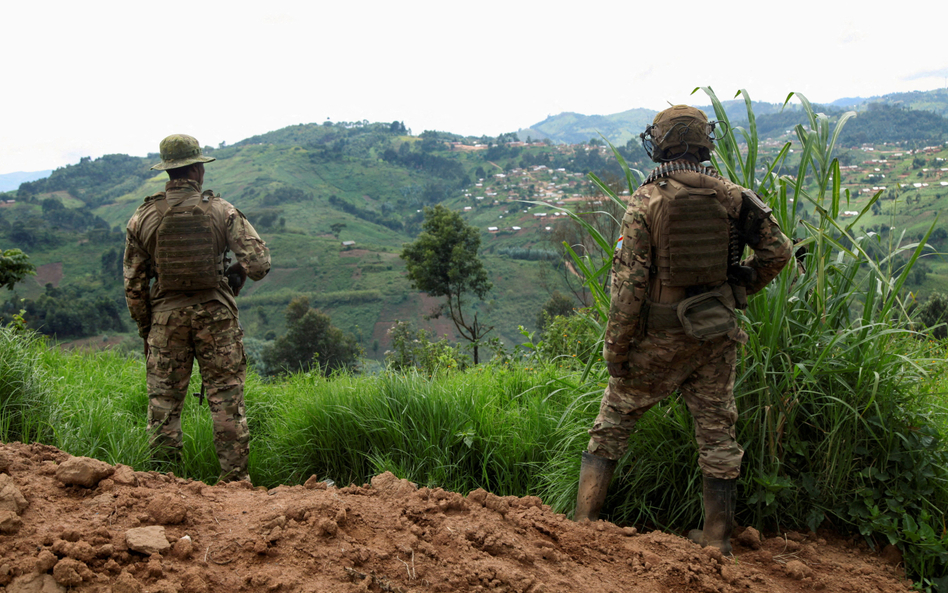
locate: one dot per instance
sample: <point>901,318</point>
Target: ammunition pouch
<point>705,316</point>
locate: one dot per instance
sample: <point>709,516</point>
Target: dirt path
<point>75,524</point>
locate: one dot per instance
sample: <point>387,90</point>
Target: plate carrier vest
<point>185,257</point>
<point>693,234</point>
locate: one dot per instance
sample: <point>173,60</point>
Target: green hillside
<point>935,101</point>
<point>773,119</point>
<point>621,128</point>
<point>309,189</point>
<point>574,128</point>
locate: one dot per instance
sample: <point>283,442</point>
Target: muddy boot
<point>233,476</point>
<point>166,457</point>
<point>595,473</point>
<point>720,498</point>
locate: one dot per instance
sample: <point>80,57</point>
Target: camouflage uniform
<point>181,325</point>
<point>664,360</point>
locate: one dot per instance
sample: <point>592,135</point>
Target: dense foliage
<point>95,181</point>
<point>14,266</point>
<point>887,123</point>
<point>311,341</point>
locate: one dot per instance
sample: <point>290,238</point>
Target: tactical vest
<point>185,257</point>
<point>692,235</point>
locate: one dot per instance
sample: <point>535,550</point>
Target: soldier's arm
<point>135,272</point>
<point>630,268</point>
<point>249,249</point>
<point>771,254</point>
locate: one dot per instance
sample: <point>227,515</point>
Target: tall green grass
<point>488,428</point>
<point>27,405</point>
<point>492,427</point>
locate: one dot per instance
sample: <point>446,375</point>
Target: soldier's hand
<point>236,276</point>
<point>617,369</point>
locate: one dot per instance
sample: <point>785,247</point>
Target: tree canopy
<point>311,341</point>
<point>14,266</point>
<point>443,261</point>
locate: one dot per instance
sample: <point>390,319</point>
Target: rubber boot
<point>720,499</point>
<point>595,473</point>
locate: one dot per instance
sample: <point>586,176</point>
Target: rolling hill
<point>335,203</point>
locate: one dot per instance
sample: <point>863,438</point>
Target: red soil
<point>70,524</point>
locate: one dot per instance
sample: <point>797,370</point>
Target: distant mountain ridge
<point>11,181</point>
<point>619,128</point>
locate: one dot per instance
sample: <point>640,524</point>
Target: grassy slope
<point>364,290</point>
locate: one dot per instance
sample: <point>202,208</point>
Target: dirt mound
<point>78,524</point>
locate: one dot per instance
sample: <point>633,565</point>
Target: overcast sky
<point>93,78</point>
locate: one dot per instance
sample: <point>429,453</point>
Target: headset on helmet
<point>677,131</point>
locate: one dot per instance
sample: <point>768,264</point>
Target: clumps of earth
<point>78,524</point>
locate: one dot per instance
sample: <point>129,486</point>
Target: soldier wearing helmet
<point>677,280</point>
<point>182,294</point>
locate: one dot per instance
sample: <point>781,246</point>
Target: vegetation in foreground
<point>515,426</point>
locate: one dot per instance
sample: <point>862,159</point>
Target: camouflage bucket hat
<point>180,150</point>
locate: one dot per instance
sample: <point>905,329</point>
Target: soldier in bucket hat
<point>180,150</point>
<point>182,294</point>
<point>677,280</point>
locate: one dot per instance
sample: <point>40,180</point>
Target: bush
<point>311,341</point>
<point>413,349</point>
<point>934,315</point>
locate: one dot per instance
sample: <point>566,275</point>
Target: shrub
<point>413,349</point>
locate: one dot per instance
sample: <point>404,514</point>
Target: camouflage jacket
<point>633,284</point>
<point>231,231</point>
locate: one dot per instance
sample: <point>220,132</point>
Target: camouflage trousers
<point>703,372</point>
<point>209,332</point>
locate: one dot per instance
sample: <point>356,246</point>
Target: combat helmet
<point>677,131</point>
<point>180,150</point>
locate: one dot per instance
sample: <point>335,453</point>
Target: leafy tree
<point>112,263</point>
<point>434,192</point>
<point>934,314</point>
<point>559,305</point>
<point>285,194</point>
<point>14,266</point>
<point>443,261</point>
<point>311,341</point>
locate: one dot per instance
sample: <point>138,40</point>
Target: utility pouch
<point>706,316</point>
